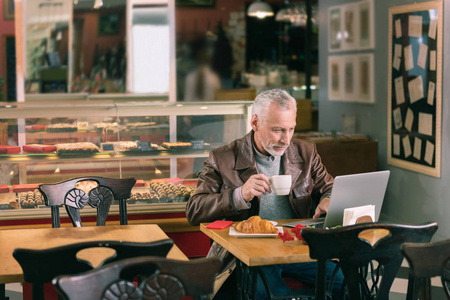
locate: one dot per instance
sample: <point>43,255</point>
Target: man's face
<point>274,133</point>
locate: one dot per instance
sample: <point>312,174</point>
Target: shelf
<point>44,212</point>
<point>156,154</point>
<point>106,108</point>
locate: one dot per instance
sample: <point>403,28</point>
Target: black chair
<point>161,279</point>
<point>70,193</point>
<point>41,266</point>
<point>446,278</point>
<point>369,271</point>
<point>425,261</point>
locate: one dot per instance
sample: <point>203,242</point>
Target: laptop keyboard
<point>315,223</point>
<point>318,225</point>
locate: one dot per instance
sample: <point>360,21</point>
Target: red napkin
<point>219,224</point>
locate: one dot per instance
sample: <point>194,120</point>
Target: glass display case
<point>161,144</point>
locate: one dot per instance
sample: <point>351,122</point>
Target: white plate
<point>235,233</point>
<point>274,223</point>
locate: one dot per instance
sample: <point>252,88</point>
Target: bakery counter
<point>43,212</point>
<point>154,196</point>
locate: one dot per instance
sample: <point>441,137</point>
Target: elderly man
<point>235,184</point>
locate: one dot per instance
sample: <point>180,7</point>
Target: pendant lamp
<point>98,4</point>
<point>259,9</point>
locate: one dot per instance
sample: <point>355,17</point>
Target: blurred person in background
<point>202,83</point>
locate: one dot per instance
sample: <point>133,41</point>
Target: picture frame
<point>8,9</point>
<point>334,78</point>
<point>334,28</point>
<point>195,3</point>
<point>415,87</point>
<point>108,24</point>
<point>349,68</point>
<point>365,78</point>
<point>349,29</point>
<point>351,26</point>
<point>351,78</point>
<point>366,25</point>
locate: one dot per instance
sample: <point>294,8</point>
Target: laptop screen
<point>352,191</point>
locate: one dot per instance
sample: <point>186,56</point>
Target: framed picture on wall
<point>8,9</point>
<point>365,80</point>
<point>334,78</point>
<point>349,91</point>
<point>351,26</point>
<point>349,29</point>
<point>415,87</point>
<point>366,24</point>
<point>334,28</point>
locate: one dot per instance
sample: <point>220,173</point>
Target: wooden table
<point>255,252</point>
<point>10,270</point>
<point>259,251</point>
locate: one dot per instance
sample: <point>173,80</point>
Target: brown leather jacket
<point>230,166</point>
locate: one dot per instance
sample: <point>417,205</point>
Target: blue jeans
<point>304,272</point>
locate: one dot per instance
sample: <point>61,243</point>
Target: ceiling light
<point>283,15</point>
<point>260,10</point>
<point>98,4</point>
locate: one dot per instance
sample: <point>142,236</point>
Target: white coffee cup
<point>281,184</point>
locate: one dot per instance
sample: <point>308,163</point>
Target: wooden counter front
<point>347,156</point>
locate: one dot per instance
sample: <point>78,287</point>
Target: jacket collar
<point>246,161</point>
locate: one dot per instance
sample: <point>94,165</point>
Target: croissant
<point>255,225</point>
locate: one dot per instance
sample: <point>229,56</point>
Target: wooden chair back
<point>41,266</point>
<point>160,278</point>
<point>427,260</point>
<point>75,194</point>
<point>363,279</point>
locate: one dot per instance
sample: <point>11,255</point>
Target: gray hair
<point>265,98</point>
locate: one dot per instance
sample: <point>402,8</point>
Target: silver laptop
<point>351,191</point>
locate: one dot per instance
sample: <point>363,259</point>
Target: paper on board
<point>398,28</point>
<point>417,148</point>
<point>429,152</point>
<point>422,58</point>
<point>415,88</point>
<point>398,50</point>
<point>409,62</point>
<point>396,138</point>
<point>409,119</point>
<point>406,146</point>
<point>397,118</point>
<point>430,97</point>
<point>432,29</point>
<point>396,63</point>
<point>397,56</point>
<point>399,90</point>
<point>425,123</point>
<point>433,60</point>
<point>415,26</point>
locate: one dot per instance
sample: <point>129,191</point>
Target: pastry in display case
<point>140,140</point>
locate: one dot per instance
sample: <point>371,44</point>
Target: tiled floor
<point>14,291</point>
<point>398,290</point>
